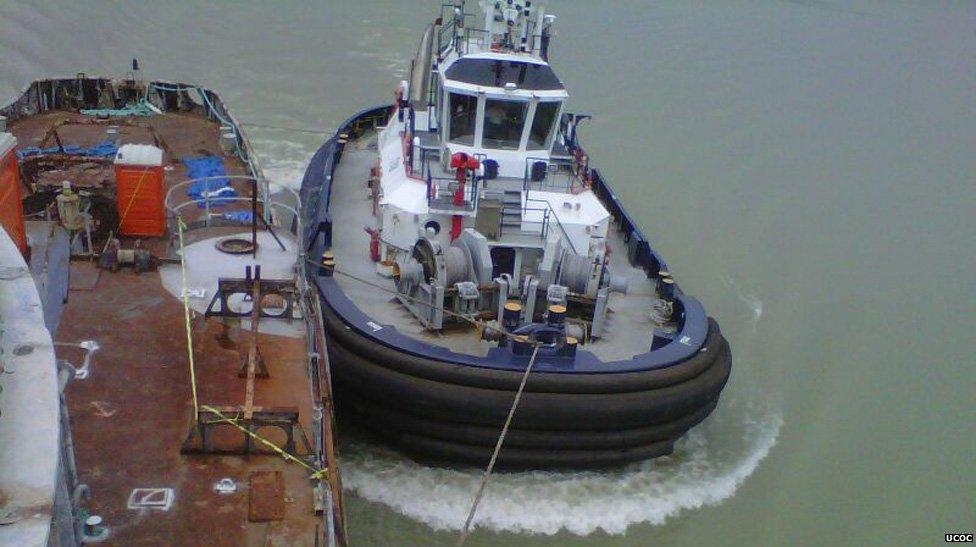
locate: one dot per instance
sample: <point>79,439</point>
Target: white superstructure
<point>479,142</point>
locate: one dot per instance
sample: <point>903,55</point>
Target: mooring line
<point>498,448</point>
<point>511,412</point>
<point>186,317</point>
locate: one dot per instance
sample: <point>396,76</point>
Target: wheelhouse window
<point>504,121</point>
<point>464,115</point>
<point>545,115</point>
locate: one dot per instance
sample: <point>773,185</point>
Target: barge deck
<point>176,435</point>
<point>131,416</point>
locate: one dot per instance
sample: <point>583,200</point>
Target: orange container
<point>11,196</point>
<point>141,191</point>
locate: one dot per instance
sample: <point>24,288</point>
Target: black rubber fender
<point>565,411</point>
<point>370,413</point>
<point>438,452</point>
<point>486,378</point>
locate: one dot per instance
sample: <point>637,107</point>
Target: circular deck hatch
<point>236,246</point>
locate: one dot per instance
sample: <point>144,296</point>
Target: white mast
<point>512,23</point>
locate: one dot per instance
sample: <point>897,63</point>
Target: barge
<point>163,382</point>
<point>462,235</point>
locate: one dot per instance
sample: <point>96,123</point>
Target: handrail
<point>449,27</point>
<point>547,213</point>
<point>175,208</point>
<point>470,196</point>
<point>571,178</point>
<point>243,148</point>
<point>551,212</point>
<point>468,31</point>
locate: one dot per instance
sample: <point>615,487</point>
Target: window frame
<point>445,117</point>
<point>527,105</point>
<point>547,144</point>
<point>449,117</point>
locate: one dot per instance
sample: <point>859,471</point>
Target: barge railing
<point>177,208</point>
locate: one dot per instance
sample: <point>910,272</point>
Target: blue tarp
<point>216,188</point>
<point>104,149</point>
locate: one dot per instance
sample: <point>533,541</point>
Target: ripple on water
<point>707,468</point>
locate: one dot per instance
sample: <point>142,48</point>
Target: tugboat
<point>462,235</point>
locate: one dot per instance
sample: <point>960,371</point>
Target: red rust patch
<point>266,497</point>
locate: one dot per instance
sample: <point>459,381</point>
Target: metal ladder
<point>512,210</point>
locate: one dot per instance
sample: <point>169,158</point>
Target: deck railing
<point>462,37</point>
<point>561,175</point>
<point>533,205</point>
<point>442,194</point>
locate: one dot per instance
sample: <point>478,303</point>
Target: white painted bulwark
<point>145,155</point>
<point>29,411</point>
<point>404,199</point>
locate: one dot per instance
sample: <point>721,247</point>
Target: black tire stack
<point>451,414</point>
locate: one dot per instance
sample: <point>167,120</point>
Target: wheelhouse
<point>499,103</point>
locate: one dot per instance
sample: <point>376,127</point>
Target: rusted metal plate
<point>84,276</point>
<point>267,496</point>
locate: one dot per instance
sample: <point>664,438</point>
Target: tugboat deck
<point>628,321</point>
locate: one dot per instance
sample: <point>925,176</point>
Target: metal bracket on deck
<point>228,287</point>
<point>247,417</point>
<point>200,439</point>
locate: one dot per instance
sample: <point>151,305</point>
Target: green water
<point>807,169</point>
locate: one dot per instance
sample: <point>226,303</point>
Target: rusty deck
<point>132,414</point>
<point>178,134</point>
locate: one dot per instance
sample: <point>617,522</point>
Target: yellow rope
<point>498,447</point>
<point>318,474</point>
<point>186,316</point>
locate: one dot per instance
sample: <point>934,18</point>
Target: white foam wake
<point>283,162</point>
<point>702,471</point>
